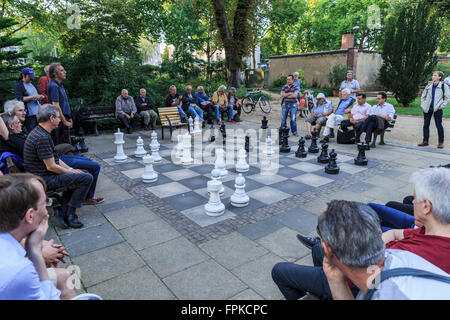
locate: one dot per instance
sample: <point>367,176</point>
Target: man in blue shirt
<point>338,115</point>
<point>319,114</point>
<point>289,93</point>
<point>205,103</point>
<point>350,84</point>
<point>24,217</point>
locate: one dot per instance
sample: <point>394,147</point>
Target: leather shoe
<point>72,221</point>
<point>59,217</point>
<point>308,242</point>
<point>441,145</point>
<point>423,144</point>
<point>325,139</point>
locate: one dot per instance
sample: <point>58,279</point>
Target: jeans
<point>182,113</point>
<point>195,111</point>
<point>290,109</point>
<point>437,121</point>
<point>368,126</point>
<point>391,218</point>
<point>230,112</point>
<point>87,164</point>
<point>132,123</point>
<point>149,115</point>
<point>78,184</point>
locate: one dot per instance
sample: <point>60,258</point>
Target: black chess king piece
<point>361,159</point>
<point>301,152</point>
<point>324,158</point>
<point>264,122</point>
<point>332,167</point>
<point>313,148</point>
<point>285,148</point>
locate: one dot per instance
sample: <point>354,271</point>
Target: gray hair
<point>198,88</point>
<point>53,70</point>
<point>46,111</point>
<point>346,90</point>
<point>352,230</point>
<point>8,117</point>
<point>11,105</point>
<point>433,184</point>
<point>222,88</point>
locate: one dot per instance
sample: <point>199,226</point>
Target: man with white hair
<point>351,84</point>
<point>126,110</point>
<point>17,107</point>
<point>298,83</point>
<point>220,101</point>
<point>335,118</point>
<point>319,113</point>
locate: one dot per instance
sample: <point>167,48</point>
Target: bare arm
<point>3,130</point>
<point>51,166</point>
<point>392,235</point>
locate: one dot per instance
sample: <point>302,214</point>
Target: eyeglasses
<point>48,202</point>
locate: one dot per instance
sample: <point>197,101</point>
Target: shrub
<point>280,82</point>
<point>337,75</point>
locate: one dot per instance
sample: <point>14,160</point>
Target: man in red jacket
<point>43,83</point>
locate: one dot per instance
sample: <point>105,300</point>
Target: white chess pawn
<point>149,174</point>
<point>191,125</point>
<point>179,146</point>
<point>220,163</point>
<point>215,174</point>
<point>140,151</point>
<point>239,197</point>
<point>197,129</point>
<point>242,165</point>
<point>187,158</point>
<point>269,150</point>
<point>119,142</point>
<point>154,146</point>
<point>214,207</point>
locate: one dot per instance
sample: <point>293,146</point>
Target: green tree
<point>409,51</point>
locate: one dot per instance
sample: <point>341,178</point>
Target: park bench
<point>94,114</point>
<point>388,129</point>
<point>170,117</point>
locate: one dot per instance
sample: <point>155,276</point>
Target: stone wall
<point>367,69</point>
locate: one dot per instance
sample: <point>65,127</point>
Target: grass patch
<point>414,108</point>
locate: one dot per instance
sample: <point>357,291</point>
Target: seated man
<point>233,101</point>
<point>379,118</point>
<point>174,100</point>
<point>40,159</point>
<point>126,110</point>
<point>190,104</point>
<point>18,108</point>
<point>145,109</point>
<point>24,218</point>
<point>426,247</point>
<point>205,103</point>
<point>15,144</point>
<point>319,114</point>
<point>220,101</point>
<point>359,113</point>
<point>337,116</point>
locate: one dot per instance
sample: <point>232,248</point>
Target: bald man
<point>126,111</point>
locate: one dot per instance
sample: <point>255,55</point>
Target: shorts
<point>312,120</point>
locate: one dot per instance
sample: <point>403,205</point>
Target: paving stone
<point>149,234</point>
<point>105,184</point>
<point>134,173</point>
<point>91,239</point>
<point>233,250</point>
<point>359,187</point>
<point>284,244</point>
<point>351,168</point>
<point>261,228</point>
<point>247,294</point>
<point>132,216</point>
<point>291,187</point>
<point>306,166</point>
<point>268,195</point>
<point>90,216</point>
<point>107,263</point>
<point>140,284</point>
<point>205,281</point>
<point>312,179</point>
<point>305,261</point>
<point>257,275</point>
<point>385,182</point>
<point>113,206</point>
<point>298,220</point>
<point>173,256</point>
<point>112,196</point>
<point>198,215</point>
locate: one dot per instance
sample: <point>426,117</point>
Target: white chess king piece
<point>214,207</point>
<point>215,174</point>
<point>154,146</point>
<point>269,149</point>
<point>242,165</point>
<point>187,158</point>
<point>191,126</point>
<point>239,197</point>
<point>220,163</point>
<point>180,146</point>
<point>119,142</point>
<point>149,174</point>
<point>140,151</point>
<point>197,129</point>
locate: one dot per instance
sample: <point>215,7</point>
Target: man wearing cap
<point>26,91</point>
<point>351,84</point>
<point>233,101</point>
<point>319,113</point>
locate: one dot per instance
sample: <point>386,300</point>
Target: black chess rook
<point>285,148</point>
<point>332,167</point>
<point>361,159</point>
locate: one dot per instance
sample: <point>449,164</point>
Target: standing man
<point>145,109</point>
<point>337,116</point>
<point>26,91</point>
<point>126,110</point>
<point>43,83</point>
<point>58,97</point>
<point>359,113</point>
<point>298,83</point>
<point>289,93</point>
<point>319,114</point>
<point>379,118</point>
<point>351,84</point>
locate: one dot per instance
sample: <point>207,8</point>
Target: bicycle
<point>252,98</point>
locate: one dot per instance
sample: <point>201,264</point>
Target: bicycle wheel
<point>247,105</point>
<point>264,104</point>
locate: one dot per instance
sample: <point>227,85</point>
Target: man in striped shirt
<point>289,93</point>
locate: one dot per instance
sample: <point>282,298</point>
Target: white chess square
<point>351,168</point>
<point>112,162</point>
<point>180,174</point>
<point>312,179</point>
<point>267,179</point>
<point>306,166</point>
<point>268,195</point>
<point>135,173</point>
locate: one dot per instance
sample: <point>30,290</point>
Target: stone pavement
<point>135,246</point>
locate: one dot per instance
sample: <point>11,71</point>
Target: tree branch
<point>18,29</point>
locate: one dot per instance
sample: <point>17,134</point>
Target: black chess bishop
<point>285,148</point>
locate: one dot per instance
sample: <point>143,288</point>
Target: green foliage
<point>280,82</point>
<point>337,75</point>
<point>444,66</point>
<point>409,52</point>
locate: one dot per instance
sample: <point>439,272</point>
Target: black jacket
<point>139,101</point>
<point>187,101</point>
<point>20,92</point>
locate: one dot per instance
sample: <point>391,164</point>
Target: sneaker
<point>232,121</point>
<point>219,123</point>
<point>92,201</point>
